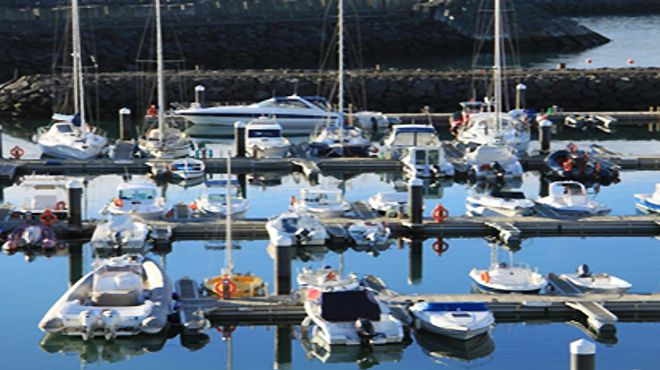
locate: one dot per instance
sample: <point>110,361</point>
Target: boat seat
<point>44,201</point>
<point>117,288</point>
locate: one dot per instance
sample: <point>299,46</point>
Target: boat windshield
<point>349,306</point>
<point>290,224</point>
<point>284,104</point>
<point>217,197</point>
<point>64,128</point>
<point>408,136</point>
<point>264,133</point>
<point>420,157</point>
<point>137,194</point>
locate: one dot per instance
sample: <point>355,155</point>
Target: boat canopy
<point>349,306</point>
<point>454,306</point>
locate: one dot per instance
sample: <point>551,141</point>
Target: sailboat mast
<point>229,260</point>
<point>340,47</point>
<point>497,68</point>
<point>159,74</point>
<point>76,56</point>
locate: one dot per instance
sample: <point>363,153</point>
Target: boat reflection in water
<point>364,356</point>
<point>441,348</point>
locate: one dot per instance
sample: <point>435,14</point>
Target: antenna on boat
<point>229,261</point>
<point>159,74</point>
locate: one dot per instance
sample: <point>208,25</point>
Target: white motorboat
<point>263,139</point>
<point>333,140</point>
<point>649,202</point>
<point>482,129</point>
<point>589,282</point>
<point>325,279</point>
<point>212,202</point>
<point>294,228</point>
<point>295,114</point>
<point>42,192</point>
<point>389,202</point>
<point>323,203</point>
<point>499,203</point>
<point>122,296</point>
<point>411,135</point>
<point>137,198</point>
<point>506,277</point>
<point>426,162</point>
<point>491,162</point>
<point>460,320</point>
<point>186,169</point>
<point>365,233</point>
<point>570,198</point>
<point>120,232</point>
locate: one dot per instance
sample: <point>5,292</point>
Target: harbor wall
<point>400,91</point>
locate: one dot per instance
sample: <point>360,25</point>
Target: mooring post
<point>283,270</point>
<point>125,124</point>
<point>75,202</point>
<point>1,129</point>
<point>416,200</point>
<point>545,135</point>
<point>521,89</point>
<point>415,262</point>
<point>239,139</point>
<point>283,349</point>
<point>583,355</point>
<point>75,263</point>
<point>242,182</point>
<point>200,95</point>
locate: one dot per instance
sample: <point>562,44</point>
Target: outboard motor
<point>583,270</point>
<point>303,235</point>
<point>365,330</point>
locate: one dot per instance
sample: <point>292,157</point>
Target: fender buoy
<point>170,213</point>
<point>48,218</point>
<point>330,276</point>
<point>60,206</point>
<point>293,201</point>
<point>440,246</point>
<point>440,213</point>
<point>17,152</point>
<point>485,276</point>
<point>219,287</point>
<point>193,206</point>
<point>118,202</point>
<point>567,165</point>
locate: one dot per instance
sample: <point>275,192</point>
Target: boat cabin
<point>44,192</point>
<point>137,193</point>
<point>349,306</point>
<point>412,135</point>
<point>263,128</point>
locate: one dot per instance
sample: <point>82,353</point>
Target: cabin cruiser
<point>499,203</point>
<point>331,140</point>
<point>31,236</point>
<point>589,282</point>
<point>295,114</point>
<point>365,233</point>
<point>295,228</point>
<point>185,169</point>
<point>492,162</point>
<point>263,139</point>
<point>570,198</point>
<point>426,162</point>
<point>136,198</point>
<point>649,203</point>
<point>572,163</point>
<point>506,277</point>
<point>122,296</point>
<point>459,320</point>
<point>42,192</point>
<point>120,232</point>
<point>212,202</point>
<point>66,138</point>
<point>389,202</point>
<point>481,129</point>
<point>320,202</point>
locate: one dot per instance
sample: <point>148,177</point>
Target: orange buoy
<point>48,218</point>
<point>118,202</point>
<point>440,213</point>
<point>567,165</point>
<point>193,206</point>
<point>485,276</point>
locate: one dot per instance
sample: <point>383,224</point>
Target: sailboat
<point>494,127</point>
<point>70,136</point>
<point>166,141</point>
<point>229,284</point>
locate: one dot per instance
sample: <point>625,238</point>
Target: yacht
<point>121,233</point>
<point>332,140</point>
<point>212,202</point>
<point>295,114</point>
<point>293,228</point>
<point>459,320</point>
<point>506,277</point>
<point>121,296</point>
<point>321,202</point>
<point>389,202</point>
<point>570,198</point>
<point>493,162</point>
<point>137,198</point>
<point>185,169</point>
<point>42,192</point>
<point>426,162</point>
<point>589,282</point>
<point>482,128</point>
<point>263,139</point>
<point>499,203</point>
<point>649,202</point>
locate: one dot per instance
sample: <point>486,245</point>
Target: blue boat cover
<point>455,306</point>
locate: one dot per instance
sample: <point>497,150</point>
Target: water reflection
<point>441,348</point>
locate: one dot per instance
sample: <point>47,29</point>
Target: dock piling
<point>75,263</point>
<point>521,90</point>
<point>415,262</point>
<point>75,189</point>
<point>126,130</point>
<point>239,139</point>
<point>416,200</point>
<point>1,129</point>
<point>583,355</point>
<point>200,92</point>
<point>545,135</point>
<point>283,349</point>
<point>283,270</point>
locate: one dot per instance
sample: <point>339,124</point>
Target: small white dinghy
<point>137,198</point>
<point>570,198</point>
<point>186,169</point>
<point>589,282</point>
<point>459,320</point>
<point>120,232</point>
<point>499,203</point>
<point>122,296</point>
<point>492,162</point>
<point>212,202</point>
<point>649,202</point>
<point>506,277</point>
<point>263,139</point>
<point>322,203</point>
<point>372,234</point>
<point>389,202</point>
<point>294,228</point>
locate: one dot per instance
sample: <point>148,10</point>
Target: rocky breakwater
<point>396,91</point>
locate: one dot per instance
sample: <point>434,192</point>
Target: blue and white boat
<point>459,320</point>
<point>649,203</point>
<point>187,169</point>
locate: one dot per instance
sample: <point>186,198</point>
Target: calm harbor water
<point>31,288</point>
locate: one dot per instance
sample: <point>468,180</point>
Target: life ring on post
<point>440,246</point>
<point>17,152</point>
<point>48,218</point>
<point>440,213</point>
<point>219,287</point>
<point>60,206</point>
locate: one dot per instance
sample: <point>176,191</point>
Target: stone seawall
<point>388,91</point>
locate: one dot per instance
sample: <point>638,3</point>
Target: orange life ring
<point>485,276</point>
<point>440,213</point>
<point>440,246</point>
<point>48,218</point>
<point>118,202</point>
<point>17,152</point>
<point>60,206</point>
<point>219,287</point>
